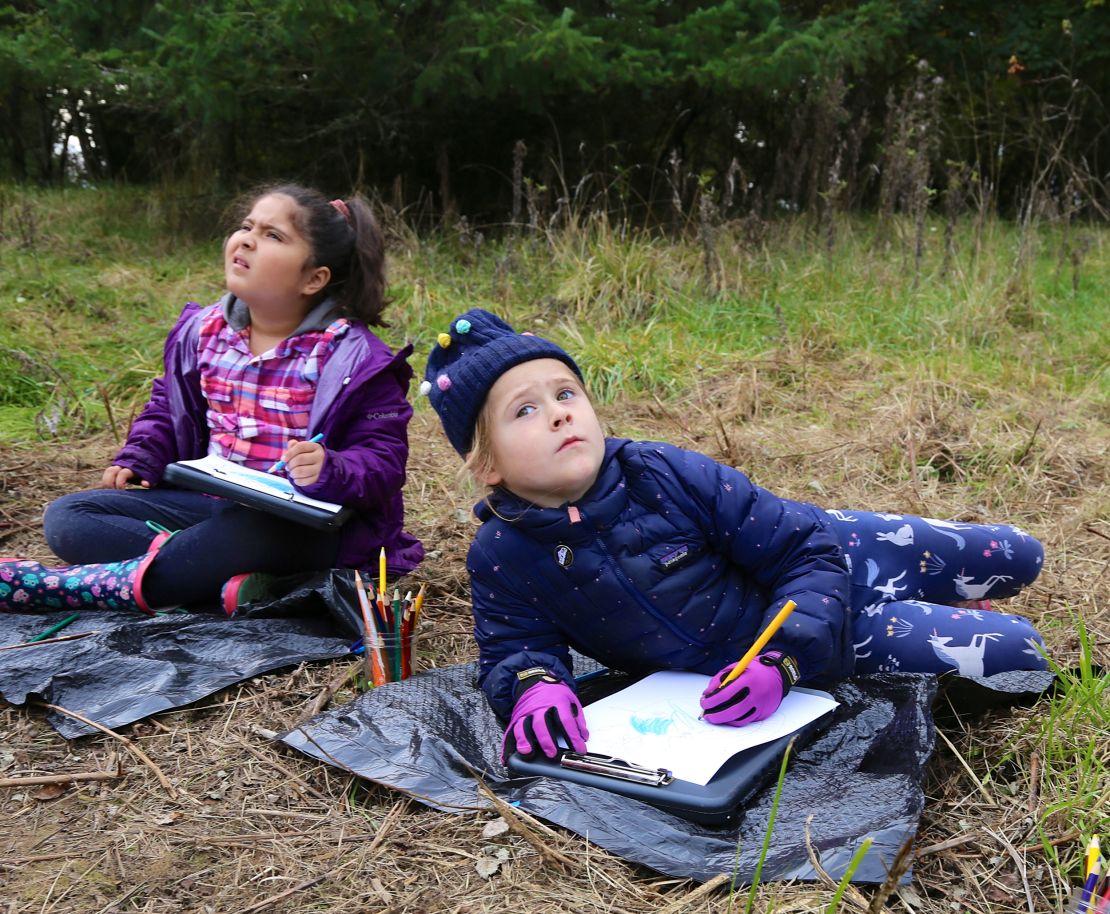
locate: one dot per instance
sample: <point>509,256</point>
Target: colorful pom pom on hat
<point>467,361</point>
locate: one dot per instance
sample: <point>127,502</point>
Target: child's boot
<point>26,584</point>
<point>246,588</point>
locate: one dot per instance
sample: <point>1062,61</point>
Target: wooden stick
<point>142,756</point>
<point>326,694</point>
<point>696,895</point>
<point>33,643</point>
<point>281,896</point>
<point>296,779</point>
<point>521,823</point>
<point>60,778</point>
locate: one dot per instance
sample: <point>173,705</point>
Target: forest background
<point>858,250</point>
<point>498,109</point>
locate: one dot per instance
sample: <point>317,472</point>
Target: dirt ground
<point>241,825</point>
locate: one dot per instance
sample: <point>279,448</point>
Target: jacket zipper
<point>630,589</point>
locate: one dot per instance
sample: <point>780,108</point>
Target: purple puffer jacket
<point>359,407</point>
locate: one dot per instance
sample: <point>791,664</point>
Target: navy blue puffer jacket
<point>669,561</point>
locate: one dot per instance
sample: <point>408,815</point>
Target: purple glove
<point>544,712</point>
<point>753,695</point>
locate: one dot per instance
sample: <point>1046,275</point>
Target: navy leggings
<point>218,540</point>
<point>908,571</point>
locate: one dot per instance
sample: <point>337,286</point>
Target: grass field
<point>846,378</point>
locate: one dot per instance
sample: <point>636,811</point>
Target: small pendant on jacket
<point>564,556</point>
<point>572,513</point>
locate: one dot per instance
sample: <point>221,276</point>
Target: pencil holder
<point>388,630</point>
<point>391,658</point>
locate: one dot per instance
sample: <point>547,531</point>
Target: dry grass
<point>256,828</point>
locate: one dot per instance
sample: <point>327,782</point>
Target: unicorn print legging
<point>908,571</point>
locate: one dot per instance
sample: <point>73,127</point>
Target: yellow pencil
<point>381,571</point>
<point>787,608</point>
<point>1092,856</point>
<point>419,603</point>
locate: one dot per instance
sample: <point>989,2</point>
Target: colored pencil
<point>381,572</point>
<point>57,627</point>
<point>372,661</point>
<point>280,464</point>
<point>398,663</point>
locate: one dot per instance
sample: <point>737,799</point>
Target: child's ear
<point>317,278</point>
<point>490,477</point>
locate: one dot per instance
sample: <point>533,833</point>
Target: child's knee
<point>1027,557</point>
<point>57,521</point>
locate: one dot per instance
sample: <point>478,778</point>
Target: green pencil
<point>56,627</point>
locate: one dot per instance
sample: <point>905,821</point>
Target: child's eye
<point>273,235</point>
<point>565,394</point>
<point>525,410</point>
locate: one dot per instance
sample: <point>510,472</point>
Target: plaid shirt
<point>258,403</point>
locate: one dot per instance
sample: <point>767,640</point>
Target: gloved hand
<point>544,712</point>
<point>753,695</point>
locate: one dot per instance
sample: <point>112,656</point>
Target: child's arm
<point>782,545</point>
<point>366,446</point>
<point>170,425</point>
<point>512,636</point>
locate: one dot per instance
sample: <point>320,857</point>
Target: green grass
<point>92,279</point>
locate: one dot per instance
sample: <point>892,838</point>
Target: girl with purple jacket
<point>283,358</point>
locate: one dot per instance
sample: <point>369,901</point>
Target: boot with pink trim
<point>26,585</point>
<point>247,588</point>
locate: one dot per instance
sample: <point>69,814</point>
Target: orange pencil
<point>372,662</point>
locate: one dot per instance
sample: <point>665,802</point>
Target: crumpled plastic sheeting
<point>137,666</point>
<point>431,735</point>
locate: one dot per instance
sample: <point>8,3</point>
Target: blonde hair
<point>478,462</point>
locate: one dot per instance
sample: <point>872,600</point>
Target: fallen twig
<point>12,647</point>
<point>696,895</point>
<point>525,826</point>
<point>61,778</point>
<point>273,763</point>
<point>142,756</point>
<point>281,896</point>
<point>323,699</point>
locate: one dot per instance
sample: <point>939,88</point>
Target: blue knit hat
<point>466,362</point>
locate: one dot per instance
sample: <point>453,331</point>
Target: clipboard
<point>272,494</point>
<point>720,802</point>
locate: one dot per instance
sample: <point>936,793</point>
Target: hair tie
<point>343,210</point>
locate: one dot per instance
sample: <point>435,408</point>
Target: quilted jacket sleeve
<point>367,444</point>
<point>513,633</point>
<point>168,426</point>
<point>783,546</point>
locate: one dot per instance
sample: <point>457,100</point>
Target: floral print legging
<point>907,572</point>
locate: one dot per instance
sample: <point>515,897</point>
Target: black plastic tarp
<point>137,665</point>
<point>433,735</point>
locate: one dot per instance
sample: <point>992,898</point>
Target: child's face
<point>268,263</point>
<point>545,438</point>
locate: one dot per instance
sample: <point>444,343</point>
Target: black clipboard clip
<point>607,766</point>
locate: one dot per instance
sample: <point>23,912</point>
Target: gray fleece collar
<point>238,316</point>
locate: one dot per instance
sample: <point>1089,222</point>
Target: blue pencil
<point>280,465</point>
